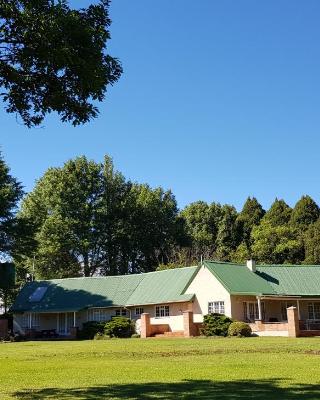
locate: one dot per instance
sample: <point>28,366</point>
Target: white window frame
<point>99,314</point>
<point>314,314</point>
<point>162,311</point>
<point>34,318</point>
<point>138,311</point>
<point>216,307</point>
<point>121,312</point>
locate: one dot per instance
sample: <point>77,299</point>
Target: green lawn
<point>168,369</point>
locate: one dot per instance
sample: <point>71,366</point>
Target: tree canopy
<point>10,194</point>
<point>53,58</point>
<point>87,219</point>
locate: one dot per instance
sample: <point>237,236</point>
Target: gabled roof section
<point>294,280</point>
<point>238,279</point>
<point>75,294</point>
<point>164,286</point>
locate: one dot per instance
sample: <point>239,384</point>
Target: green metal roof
<point>238,279</point>
<point>273,280</point>
<point>160,287</point>
<point>75,294</point>
<point>294,280</point>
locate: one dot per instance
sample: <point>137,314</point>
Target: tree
<point>277,244</point>
<point>88,219</point>
<point>227,237</point>
<point>202,224</point>
<point>305,212</point>
<point>278,214</point>
<point>10,194</point>
<point>312,243</point>
<point>53,58</point>
<point>250,216</point>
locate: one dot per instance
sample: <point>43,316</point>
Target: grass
<point>166,369</point>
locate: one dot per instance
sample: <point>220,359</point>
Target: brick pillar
<point>3,328</point>
<point>145,328</point>
<point>188,325</point>
<point>293,322</point>
<point>259,325</point>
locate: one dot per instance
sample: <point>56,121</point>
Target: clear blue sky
<point>219,100</point>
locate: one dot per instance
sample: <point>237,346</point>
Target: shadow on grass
<point>188,390</point>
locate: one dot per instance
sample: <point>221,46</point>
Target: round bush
<point>215,325</point>
<point>240,329</point>
<point>120,327</point>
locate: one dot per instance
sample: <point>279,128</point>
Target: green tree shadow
<point>187,390</point>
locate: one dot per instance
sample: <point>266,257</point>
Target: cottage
<point>275,299</point>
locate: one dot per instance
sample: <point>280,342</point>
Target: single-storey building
<point>173,302</point>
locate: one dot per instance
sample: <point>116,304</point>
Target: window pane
<point>317,310</point>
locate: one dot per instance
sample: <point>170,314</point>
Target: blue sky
<point>219,100</point>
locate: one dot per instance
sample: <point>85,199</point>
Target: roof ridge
<point>289,265</point>
<point>113,276</point>
<point>224,262</point>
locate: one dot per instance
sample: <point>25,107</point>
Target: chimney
<point>251,264</point>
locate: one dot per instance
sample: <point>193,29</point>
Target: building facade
<point>173,302</point>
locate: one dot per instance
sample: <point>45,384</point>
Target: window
<point>98,314</point>
<point>216,307</point>
<point>162,311</point>
<point>138,311</point>
<point>38,294</point>
<point>251,310</point>
<point>314,310</point>
<point>121,312</point>
<point>30,321</point>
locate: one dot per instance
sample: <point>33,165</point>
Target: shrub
<point>240,329</point>
<point>90,329</point>
<point>215,325</point>
<point>120,327</point>
<point>135,336</point>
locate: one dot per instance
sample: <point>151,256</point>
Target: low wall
<point>159,329</point>
<point>269,326</point>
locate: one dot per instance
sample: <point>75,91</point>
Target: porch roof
<point>268,280</point>
<point>75,294</point>
<point>292,280</point>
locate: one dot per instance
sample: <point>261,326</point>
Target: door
<point>65,323</point>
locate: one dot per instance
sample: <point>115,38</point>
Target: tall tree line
<point>85,219</point>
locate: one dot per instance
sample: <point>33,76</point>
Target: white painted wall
<point>207,288</point>
<point>175,319</point>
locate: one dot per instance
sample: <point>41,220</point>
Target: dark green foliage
<point>90,329</point>
<point>86,217</point>
<point>53,58</point>
<point>305,212</point>
<point>227,238</point>
<point>10,194</point>
<point>215,325</point>
<point>278,214</point>
<point>7,275</point>
<point>119,327</point>
<point>311,239</point>
<point>250,216</point>
<point>239,329</point>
